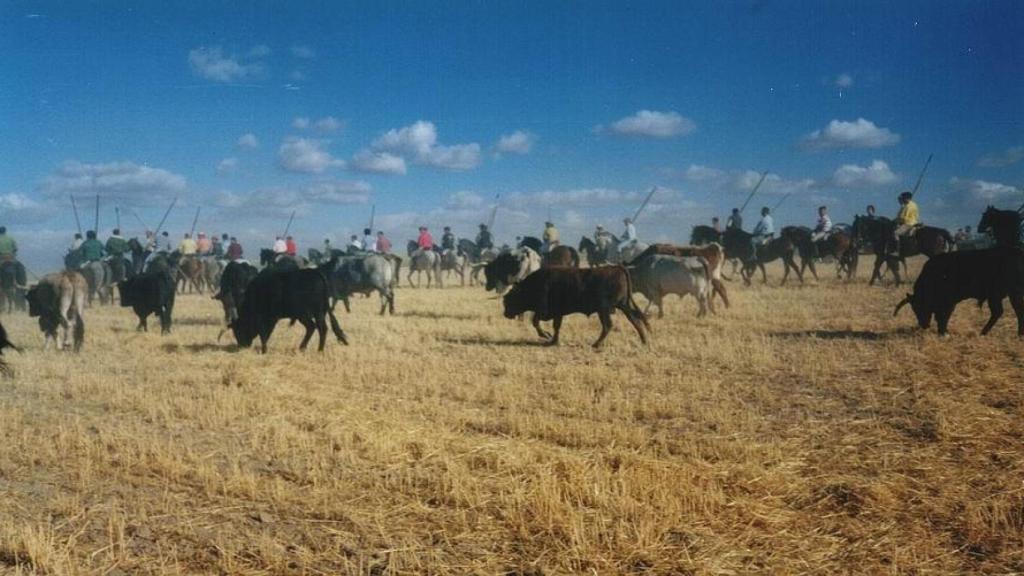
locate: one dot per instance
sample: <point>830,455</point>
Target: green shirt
<point>92,250</point>
<point>116,246</point>
<point>7,245</point>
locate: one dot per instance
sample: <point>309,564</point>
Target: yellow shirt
<point>908,215</point>
<point>187,246</point>
<point>551,234</point>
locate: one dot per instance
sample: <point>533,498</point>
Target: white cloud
<point>278,201</point>
<point>518,142</point>
<point>464,199</point>
<point>844,80</point>
<point>125,181</point>
<point>877,173</point>
<point>300,123</point>
<point>378,162</point>
<point>327,125</point>
<point>259,51</point>
<point>306,155</point>
<point>984,191</point>
<point>247,140</point>
<point>304,52</point>
<point>227,166</point>
<point>653,124</point>
<point>701,173</point>
<point>20,208</point>
<point>338,192</point>
<point>212,64</point>
<point>860,133</point>
<point>577,197</point>
<point>418,143</point>
<point>1009,157</point>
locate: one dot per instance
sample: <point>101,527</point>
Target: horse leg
<point>1017,301</point>
<point>995,308</point>
<point>876,273</point>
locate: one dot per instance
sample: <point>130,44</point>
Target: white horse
<point>423,261</point>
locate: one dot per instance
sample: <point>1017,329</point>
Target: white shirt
<point>356,244</point>
<point>370,243</point>
<point>280,246</point>
<point>630,233</point>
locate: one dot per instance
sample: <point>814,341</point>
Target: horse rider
<point>163,243</point>
<point>203,245</point>
<point>217,246</point>
<point>906,219</point>
<point>369,241</point>
<point>425,242</point>
<point>483,238</point>
<point>823,226</point>
<point>383,244</point>
<point>234,251</point>
<point>629,234</point>
<point>188,246</point>
<point>550,237</point>
<point>764,231</point>
<point>91,249</point>
<point>447,239</point>
<point>354,245</point>
<point>8,246</point>
<point>602,237</point>
<point>870,212</point>
<point>735,221</point>
<point>280,246</point>
<point>116,246</point>
<point>76,243</point>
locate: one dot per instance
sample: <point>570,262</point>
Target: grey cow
<point>362,275</point>
<point>657,275</point>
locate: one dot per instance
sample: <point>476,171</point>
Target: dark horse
<point>595,254</point>
<point>737,244</point>
<point>838,244</point>
<point>1003,225</point>
<point>139,255</point>
<point>879,232</point>
<point>12,279</point>
<point>561,256</point>
<point>702,235</point>
<point>531,242</point>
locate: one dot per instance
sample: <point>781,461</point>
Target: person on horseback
<point>764,231</point>
<point>735,221</point>
<point>425,242</point>
<point>217,246</point>
<point>716,225</point>
<point>354,245</point>
<point>76,243</point>
<point>369,241</point>
<point>8,246</point>
<point>116,245</point>
<point>447,239</point>
<point>551,238</point>
<point>484,240</point>
<point>824,225</point>
<point>234,251</point>
<point>907,218</point>
<point>383,244</point>
<point>188,246</point>
<point>280,247</point>
<point>203,245</point>
<point>870,212</point>
<point>91,249</point>
<point>628,235</point>
<point>290,247</point>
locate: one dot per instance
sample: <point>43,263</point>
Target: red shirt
<point>291,249</point>
<point>426,241</point>
<point>383,245</point>
<point>234,251</point>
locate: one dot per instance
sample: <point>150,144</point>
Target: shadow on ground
<point>478,341</point>
<point>431,315</point>
<point>199,347</point>
<point>866,335</point>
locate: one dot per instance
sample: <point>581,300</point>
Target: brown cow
<point>713,253</point>
<point>58,301</point>
<point>551,293</point>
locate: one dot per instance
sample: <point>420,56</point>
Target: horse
<point>478,258</point>
<point>1003,225</point>
<point>702,234</point>
<point>12,279</point>
<point>738,245</point>
<point>190,274</point>
<point>453,261</point>
<point>880,233</point>
<point>269,258</point>
<point>837,244</point>
<point>423,261</point>
<point>138,255</point>
<point>597,252</point>
<point>97,276</point>
<point>531,242</point>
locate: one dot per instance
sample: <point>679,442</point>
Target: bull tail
<point>336,328</point>
<point>632,306</point>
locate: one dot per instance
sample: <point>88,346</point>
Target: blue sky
<point>430,110</point>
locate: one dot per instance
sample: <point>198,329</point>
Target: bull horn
<point>902,303</point>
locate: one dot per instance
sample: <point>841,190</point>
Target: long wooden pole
<point>117,216</point>
<point>494,212</point>
<point>373,212</point>
<point>289,226</point>
<point>96,222</point>
<point>781,200</point>
<point>141,223</point>
<point>75,208</point>
<point>920,177</point>
<point>754,191</point>
<point>164,219</point>
<point>194,221</point>
<point>644,205</point>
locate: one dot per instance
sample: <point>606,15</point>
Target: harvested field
<point>804,430</point>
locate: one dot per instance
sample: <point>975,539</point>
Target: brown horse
<point>190,274</point>
<point>561,256</point>
<point>880,233</point>
<point>738,245</point>
<point>838,244</point>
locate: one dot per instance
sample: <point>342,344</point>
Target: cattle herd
<point>549,287</point>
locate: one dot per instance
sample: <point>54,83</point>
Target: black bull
<point>984,275</point>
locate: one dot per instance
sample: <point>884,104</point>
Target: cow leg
<point>540,331</point>
<point>321,328</point>
<point>942,318</point>
<point>660,300</point>
<point>165,320</point>
<point>310,326</point>
<point>1017,301</point>
<point>995,308</point>
<point>265,330</point>
<point>557,323</point>
<point>606,326</point>
<point>142,327</point>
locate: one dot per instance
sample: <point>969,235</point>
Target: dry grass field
<point>804,430</point>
